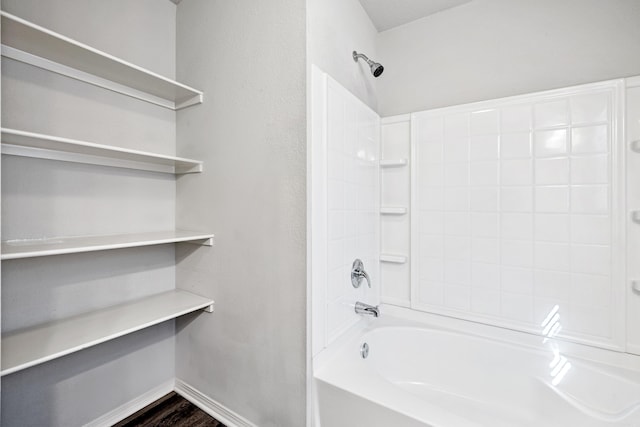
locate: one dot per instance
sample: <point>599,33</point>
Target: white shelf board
<point>35,45</point>
<point>393,210</point>
<point>392,163</point>
<point>32,346</point>
<point>396,259</point>
<point>28,144</point>
<point>16,249</point>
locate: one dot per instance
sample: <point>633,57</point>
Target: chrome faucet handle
<point>358,273</point>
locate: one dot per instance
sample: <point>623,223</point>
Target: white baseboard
<point>210,406</point>
<point>133,406</point>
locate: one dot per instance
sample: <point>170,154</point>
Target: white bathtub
<point>421,375</point>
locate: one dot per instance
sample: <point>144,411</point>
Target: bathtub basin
<point>417,375</point>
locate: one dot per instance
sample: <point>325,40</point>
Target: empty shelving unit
<point>36,228</point>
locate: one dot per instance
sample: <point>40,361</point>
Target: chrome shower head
<point>376,68</point>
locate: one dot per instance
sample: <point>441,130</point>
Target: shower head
<point>376,68</point>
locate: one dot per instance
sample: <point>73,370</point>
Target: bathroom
<point>285,194</point>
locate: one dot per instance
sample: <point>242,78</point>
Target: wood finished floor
<point>170,410</point>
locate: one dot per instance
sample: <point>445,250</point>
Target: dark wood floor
<point>170,410</point>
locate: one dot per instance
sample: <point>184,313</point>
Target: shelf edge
<point>206,305</point>
<point>13,144</point>
<point>393,163</point>
<point>393,210</point>
<point>394,259</point>
<point>199,239</point>
<point>193,96</point>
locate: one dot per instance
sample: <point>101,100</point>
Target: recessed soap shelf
<point>395,259</point>
<point>391,163</point>
<point>393,210</point>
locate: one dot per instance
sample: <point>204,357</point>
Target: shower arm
<point>376,68</point>
<point>357,55</point>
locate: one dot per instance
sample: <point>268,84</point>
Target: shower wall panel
<point>352,197</point>
<point>518,213</point>
<point>346,205</point>
<point>633,205</point>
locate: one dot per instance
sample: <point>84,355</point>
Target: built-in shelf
<point>395,259</point>
<point>32,346</point>
<point>29,144</point>
<point>393,210</point>
<point>393,163</point>
<point>29,248</point>
<point>32,44</point>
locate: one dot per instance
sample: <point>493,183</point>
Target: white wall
<point>335,28</point>
<point>46,198</point>
<point>488,49</point>
<point>249,58</point>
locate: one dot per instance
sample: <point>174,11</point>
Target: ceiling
<point>386,14</point>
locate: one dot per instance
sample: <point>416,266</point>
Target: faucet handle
<point>358,273</point>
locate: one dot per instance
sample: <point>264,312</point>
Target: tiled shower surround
<point>352,143</point>
<point>517,208</point>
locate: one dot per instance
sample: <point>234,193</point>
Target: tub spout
<point>362,308</point>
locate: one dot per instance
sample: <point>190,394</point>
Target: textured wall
<point>487,49</point>
<point>335,29</point>
<point>249,58</point>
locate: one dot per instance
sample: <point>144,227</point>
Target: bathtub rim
<point>404,317</point>
<point>395,317</point>
<point>400,316</point>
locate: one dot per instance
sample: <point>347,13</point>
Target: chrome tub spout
<point>366,309</point>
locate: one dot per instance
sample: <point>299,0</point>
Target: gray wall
<point>335,29</point>
<point>45,198</point>
<point>494,48</point>
<point>249,58</point>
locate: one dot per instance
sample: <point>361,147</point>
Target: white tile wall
<point>633,203</point>
<point>515,206</point>
<point>352,194</point>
